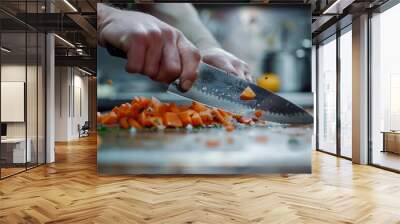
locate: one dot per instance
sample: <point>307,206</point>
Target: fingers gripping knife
<point>217,88</point>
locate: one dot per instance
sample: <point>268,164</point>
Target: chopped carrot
<point>229,140</point>
<point>123,123</point>
<point>198,107</point>
<point>110,118</point>
<point>173,108</point>
<point>171,119</point>
<point>258,113</point>
<point>247,94</point>
<point>261,139</point>
<point>196,120</point>
<point>143,120</point>
<point>212,143</point>
<point>206,117</point>
<point>244,120</point>
<point>218,117</point>
<point>134,124</point>
<point>156,121</point>
<point>229,128</point>
<point>185,118</point>
<point>155,104</point>
<point>143,112</point>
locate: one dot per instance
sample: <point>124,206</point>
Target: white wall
<point>70,83</point>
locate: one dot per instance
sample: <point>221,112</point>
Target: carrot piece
<point>155,104</point>
<point>198,107</point>
<point>156,121</point>
<point>244,120</point>
<point>224,113</point>
<point>229,128</point>
<point>171,119</point>
<point>206,117</point>
<point>173,108</point>
<point>212,143</point>
<point>110,118</point>
<point>123,123</point>
<point>134,111</point>
<point>163,109</point>
<point>183,108</point>
<point>134,124</point>
<point>185,118</point>
<point>196,119</point>
<point>261,139</point>
<point>123,110</point>
<point>143,120</point>
<point>141,101</point>
<point>258,113</point>
<point>218,117</point>
<point>247,94</point>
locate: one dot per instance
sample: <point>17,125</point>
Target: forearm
<point>184,17</point>
<point>103,15</point>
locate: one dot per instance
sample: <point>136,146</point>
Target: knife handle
<point>121,54</point>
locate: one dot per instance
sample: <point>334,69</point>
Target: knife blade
<point>217,88</point>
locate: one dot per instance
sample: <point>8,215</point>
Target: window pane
<point>346,94</point>
<point>386,88</point>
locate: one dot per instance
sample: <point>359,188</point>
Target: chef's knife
<point>217,88</point>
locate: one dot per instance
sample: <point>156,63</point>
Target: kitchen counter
<point>272,149</point>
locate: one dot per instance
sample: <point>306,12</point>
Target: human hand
<point>226,61</point>
<point>153,48</point>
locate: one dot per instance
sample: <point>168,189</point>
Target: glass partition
<point>327,96</point>
<point>22,76</point>
<point>14,153</point>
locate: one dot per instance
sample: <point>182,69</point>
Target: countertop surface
<point>271,149</point>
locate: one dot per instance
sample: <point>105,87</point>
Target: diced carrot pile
<point>143,112</point>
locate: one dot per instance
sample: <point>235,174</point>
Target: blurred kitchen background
<point>274,40</point>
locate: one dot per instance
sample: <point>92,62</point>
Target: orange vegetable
<point>212,143</point>
<point>143,112</point>
<point>171,119</point>
<point>261,139</point>
<point>134,124</point>
<point>247,94</point>
<point>244,120</point>
<point>229,128</point>
<point>143,120</point>
<point>196,119</point>
<point>173,108</point>
<point>258,113</point>
<point>156,121</point>
<point>155,104</point>
<point>206,117</point>
<point>123,123</point>
<point>198,107</point>
<point>219,118</point>
<point>141,102</point>
<point>185,117</point>
<point>110,118</point>
<point>183,108</point>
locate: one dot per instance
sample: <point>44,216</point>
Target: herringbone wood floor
<point>70,191</point>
